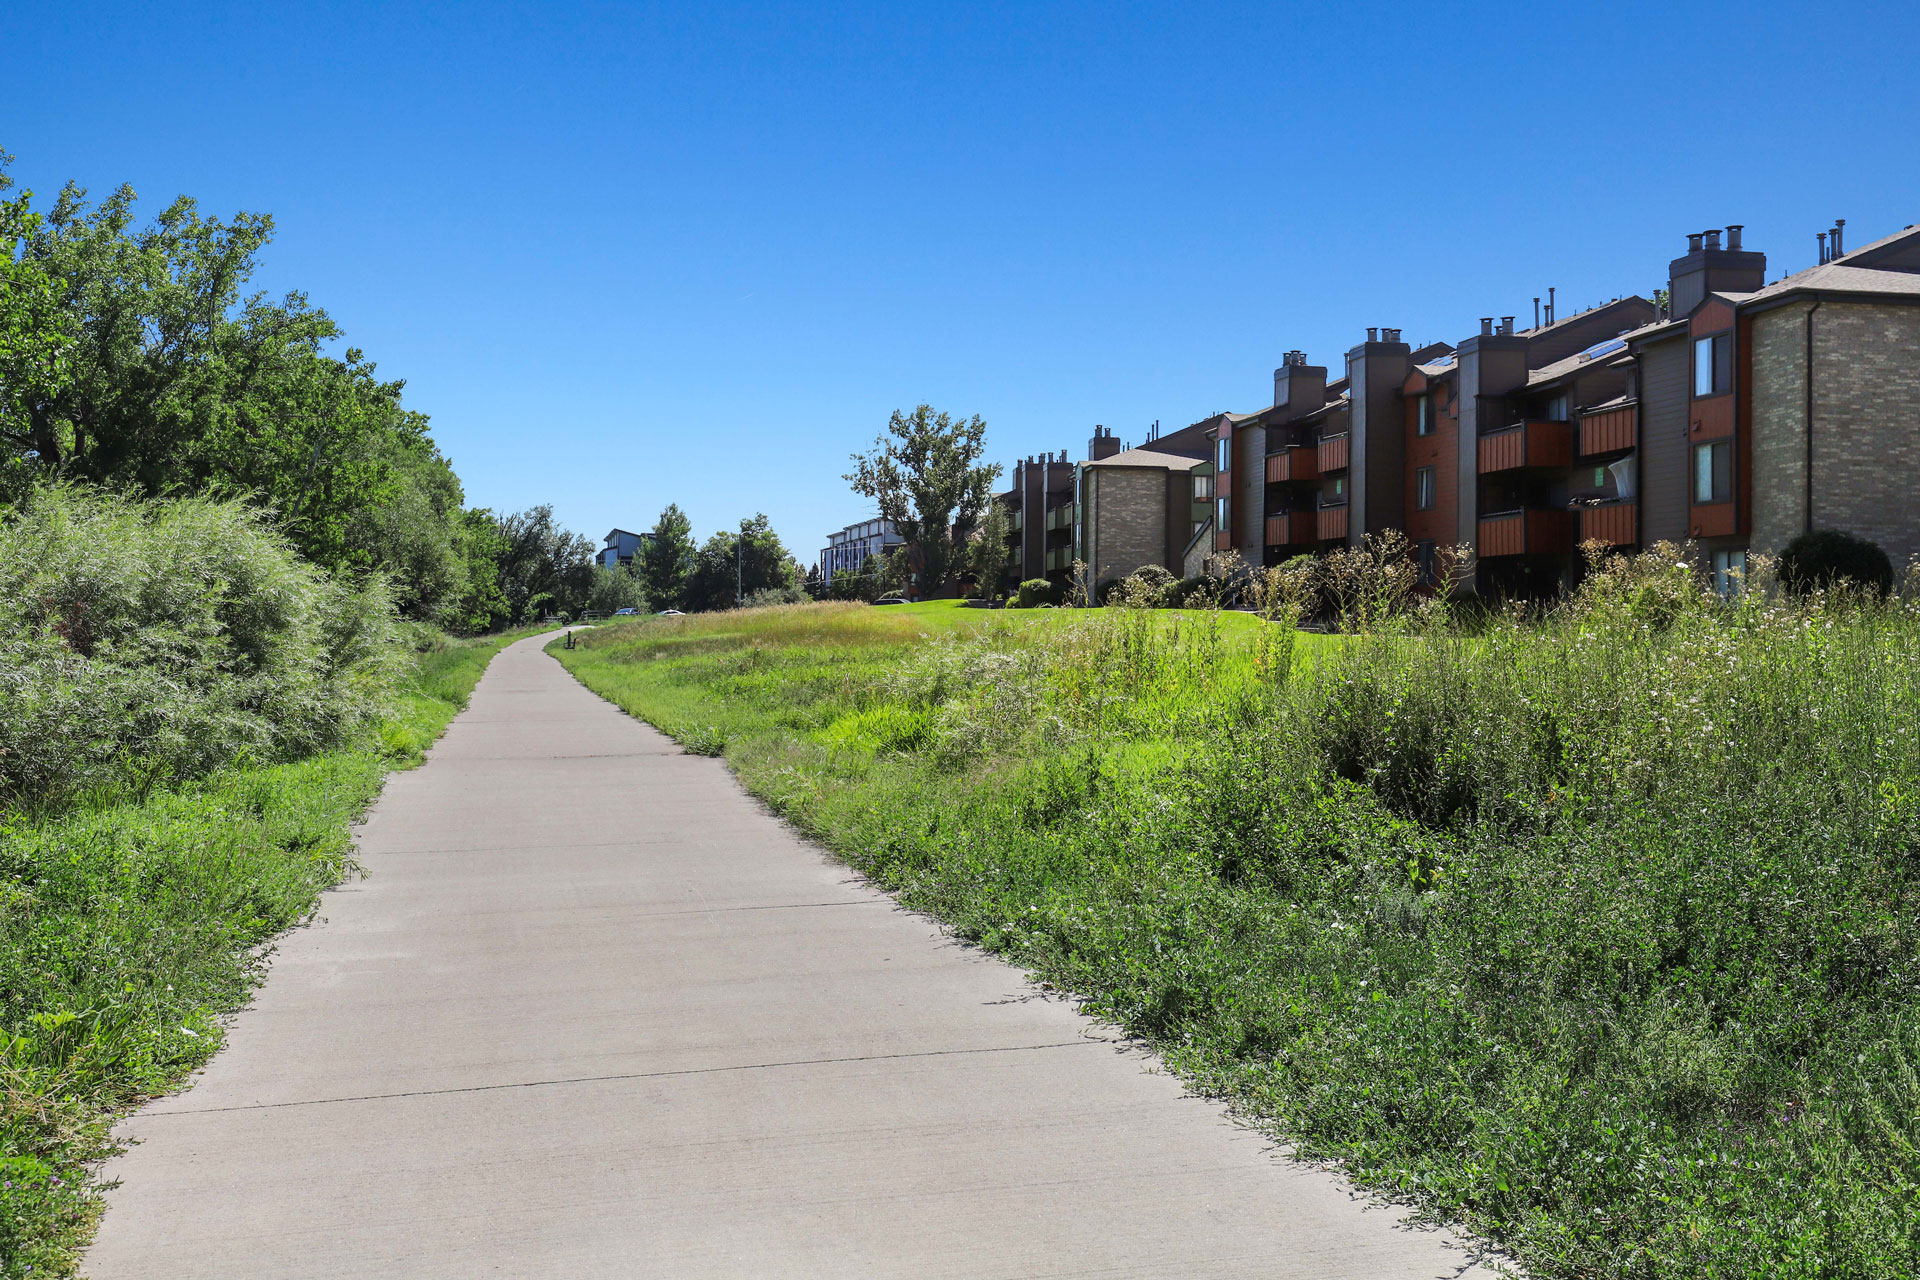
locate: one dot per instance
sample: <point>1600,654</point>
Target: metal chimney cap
<point>1486,325</point>
<point>1713,239</point>
<point>1693,241</point>
<point>1733,234</point>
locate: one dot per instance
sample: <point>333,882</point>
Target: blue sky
<point>632,254</point>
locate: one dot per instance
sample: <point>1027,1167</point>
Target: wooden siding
<point>1665,458</point>
<point>1301,462</point>
<point>1292,528</point>
<point>1331,523</point>
<point>1333,454</point>
<point>1615,524</point>
<point>1714,520</point>
<point>1533,444</point>
<point>1609,432</point>
<point>1535,532</point>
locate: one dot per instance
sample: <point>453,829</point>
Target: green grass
<point>1597,932</point>
<point>128,930</point>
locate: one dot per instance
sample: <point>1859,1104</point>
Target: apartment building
<point>1040,511</point>
<point>849,549</point>
<point>1737,416</point>
<point>1147,506</point>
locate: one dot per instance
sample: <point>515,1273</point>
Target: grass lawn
<point>129,930</point>
<point>1598,933</point>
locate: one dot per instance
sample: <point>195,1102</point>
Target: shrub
<point>1035,592</point>
<point>143,641</point>
<point>789,594</point>
<point>1825,558</point>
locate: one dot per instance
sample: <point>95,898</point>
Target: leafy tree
<point>543,567</point>
<point>616,587</point>
<point>35,340</point>
<point>133,357</point>
<point>929,481</point>
<point>666,559</point>
<point>734,565</point>
<point>816,585</point>
<point>991,554</point>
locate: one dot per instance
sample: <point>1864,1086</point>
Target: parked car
<point>891,600</point>
<point>626,613</point>
<point>670,613</point>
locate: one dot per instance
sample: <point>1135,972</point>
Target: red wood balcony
<point>1331,522</point>
<point>1613,431</point>
<point>1292,528</point>
<point>1538,531</point>
<point>1531,444</point>
<point>1333,454</point>
<point>1617,524</point>
<point>1301,462</point>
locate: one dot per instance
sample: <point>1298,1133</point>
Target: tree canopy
<point>925,473</point>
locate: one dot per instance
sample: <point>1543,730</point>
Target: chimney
<point>1733,235</point>
<point>1536,313</point>
<point>1822,238</point>
<point>1486,326</point>
<point>1373,335</point>
<point>1506,324</point>
<point>1838,223</point>
<point>1693,241</point>
<point>1390,335</point>
<point>1713,240</point>
<point>1553,308</point>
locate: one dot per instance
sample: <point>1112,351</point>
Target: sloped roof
<point>1149,458</point>
<point>1579,360</point>
<point>1835,277</point>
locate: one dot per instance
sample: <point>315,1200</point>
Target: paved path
<point>595,1013</point>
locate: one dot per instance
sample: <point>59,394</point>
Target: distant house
<point>621,547</point>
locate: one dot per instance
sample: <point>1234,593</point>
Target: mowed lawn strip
<point>1594,932</point>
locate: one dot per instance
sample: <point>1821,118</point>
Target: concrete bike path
<point>594,1013</point>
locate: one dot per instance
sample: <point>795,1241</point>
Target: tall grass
<point>1593,929</point>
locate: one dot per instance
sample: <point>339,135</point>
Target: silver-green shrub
<point>149,640</point>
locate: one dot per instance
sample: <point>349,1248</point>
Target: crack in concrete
<point>628,1075</point>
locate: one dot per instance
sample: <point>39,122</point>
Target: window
<point>1423,489</point>
<point>1223,454</point>
<point>1729,571</point>
<point>1713,472</point>
<point>1220,514</point>
<point>1425,420</point>
<point>1202,488</point>
<point>1339,491</point>
<point>1599,477</point>
<point>1555,409</point>
<point>1713,364</point>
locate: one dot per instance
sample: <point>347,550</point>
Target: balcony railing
<point>1292,528</point>
<point>1333,454</point>
<point>1298,462</point>
<point>1536,531</point>
<point>1527,444</point>
<point>1330,523</point>
<point>1615,523</point>
<point>1060,517</point>
<point>1060,558</point>
<point>1611,431</point>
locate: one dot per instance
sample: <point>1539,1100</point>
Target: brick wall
<point>1130,520</point>
<point>1866,424</point>
<point>1778,425</point>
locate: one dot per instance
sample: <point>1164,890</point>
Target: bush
<point>789,594</point>
<point>1825,558</point>
<point>143,641</point>
<point>1035,592</point>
